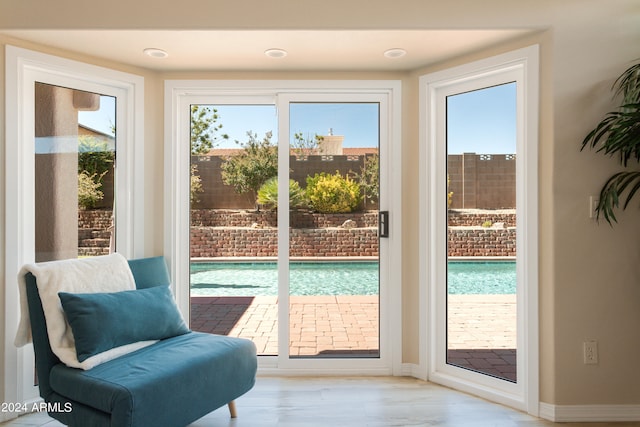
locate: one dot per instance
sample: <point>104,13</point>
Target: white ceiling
<point>244,50</point>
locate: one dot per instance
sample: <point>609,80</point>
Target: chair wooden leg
<point>232,409</point>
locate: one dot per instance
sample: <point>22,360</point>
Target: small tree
<point>204,129</point>
<point>258,162</point>
<point>204,136</point>
<point>196,185</point>
<point>369,178</point>
<point>89,192</point>
<point>303,147</point>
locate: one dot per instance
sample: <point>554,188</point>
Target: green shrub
<point>88,190</point>
<point>487,224</point>
<point>196,185</point>
<point>333,193</point>
<point>94,157</point>
<point>268,194</point>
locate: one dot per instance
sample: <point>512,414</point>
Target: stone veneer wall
<point>248,242</point>
<point>475,218</point>
<point>483,242</point>
<point>251,234</point>
<point>297,219</point>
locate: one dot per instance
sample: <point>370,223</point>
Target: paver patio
<point>482,332</point>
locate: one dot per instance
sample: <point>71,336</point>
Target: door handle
<point>383,224</point>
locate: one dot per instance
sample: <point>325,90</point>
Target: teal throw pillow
<point>102,321</point>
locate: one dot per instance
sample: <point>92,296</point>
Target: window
<point>507,85</point>
<point>29,73</point>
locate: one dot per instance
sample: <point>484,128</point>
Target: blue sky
<point>358,123</point>
<point>482,121</point>
<point>100,120</point>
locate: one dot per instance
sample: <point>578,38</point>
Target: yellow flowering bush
<point>333,193</point>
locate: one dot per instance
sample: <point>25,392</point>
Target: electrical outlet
<point>593,204</point>
<point>590,352</point>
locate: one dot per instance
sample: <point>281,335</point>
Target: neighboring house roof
<point>86,130</point>
<point>359,151</point>
<point>223,152</point>
<point>101,136</point>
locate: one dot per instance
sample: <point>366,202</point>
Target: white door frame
<point>179,94</point>
<point>520,66</point>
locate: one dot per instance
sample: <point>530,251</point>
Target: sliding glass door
<point>334,251</point>
<point>233,237</point>
<point>285,248</point>
<point>332,187</point>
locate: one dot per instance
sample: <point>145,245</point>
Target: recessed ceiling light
<point>275,53</point>
<point>155,52</point>
<point>395,53</point>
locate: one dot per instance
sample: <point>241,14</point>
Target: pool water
<point>337,278</point>
<point>490,277</point>
<point>306,278</point>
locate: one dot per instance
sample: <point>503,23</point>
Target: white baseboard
<point>589,413</point>
<point>413,370</point>
<point>561,413</point>
<point>6,416</point>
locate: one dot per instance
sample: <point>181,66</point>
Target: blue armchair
<point>170,383</point>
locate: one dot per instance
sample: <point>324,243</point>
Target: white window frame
<point>520,66</point>
<point>23,69</point>
<point>179,94</point>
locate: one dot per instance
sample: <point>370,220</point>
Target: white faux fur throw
<point>108,273</point>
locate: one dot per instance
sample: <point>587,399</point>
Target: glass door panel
<point>75,149</point>
<point>334,183</point>
<point>233,238</point>
<point>481,221</point>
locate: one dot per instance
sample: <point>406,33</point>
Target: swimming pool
<point>476,277</point>
<point>337,278</point>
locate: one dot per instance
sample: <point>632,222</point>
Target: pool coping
<point>196,260</point>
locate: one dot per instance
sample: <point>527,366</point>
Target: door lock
<point>383,224</point>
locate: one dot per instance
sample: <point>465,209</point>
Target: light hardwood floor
<point>353,402</point>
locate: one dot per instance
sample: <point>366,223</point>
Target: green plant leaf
<point>628,85</point>
<point>613,191</point>
<point>617,133</point>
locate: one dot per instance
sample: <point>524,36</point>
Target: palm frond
<point>613,191</point>
<point>628,84</point>
<point>617,133</point>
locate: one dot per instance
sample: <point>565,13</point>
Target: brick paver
<point>319,325</point>
<point>481,328</point>
<point>482,333</point>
